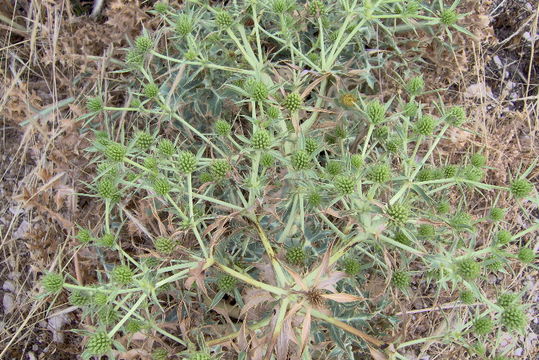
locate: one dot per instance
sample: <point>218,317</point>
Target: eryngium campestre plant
<point>253,150</point>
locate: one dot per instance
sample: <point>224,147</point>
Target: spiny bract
<point>345,185</point>
<point>513,318</point>
<point>398,213</point>
<point>226,283</point>
<point>521,188</point>
<point>52,283</point>
<point>222,128</point>
<point>483,325</point>
<point>379,173</point>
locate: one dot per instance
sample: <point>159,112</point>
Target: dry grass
<point>52,58</point>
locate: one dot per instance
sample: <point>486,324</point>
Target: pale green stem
<point>279,273</point>
<point>199,134</point>
<point>172,278</point>
<point>249,280</point>
<point>127,316</point>
<point>204,64</point>
<point>367,140</point>
<point>254,178</point>
<point>190,195</point>
<point>177,267</point>
<point>431,149</point>
<point>218,202</point>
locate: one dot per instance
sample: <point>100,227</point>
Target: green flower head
<point>292,102</point>
<point>513,318</point>
<point>345,185</point>
<point>520,188</point>
<point>187,162</point>
<point>144,140</point>
<point>295,255</point>
<point>122,274</point>
<point>143,44</point>
<point>483,325</point>
<point>261,139</point>
<point>351,266</point>
<point>376,112</point>
<point>400,279</point>
<point>226,283</point>
<point>380,173</point>
<point>301,160</point>
<point>468,269</point>
<point>425,126</point>
<point>99,344</point>
<point>166,147</point>
<point>222,128</point>
<point>164,245</point>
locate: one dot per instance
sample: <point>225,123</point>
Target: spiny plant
<point>268,196</point>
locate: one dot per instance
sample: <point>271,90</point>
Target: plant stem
<point>134,308</point>
<point>249,280</point>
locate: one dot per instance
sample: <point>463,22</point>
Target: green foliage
<point>84,236</point>
<point>292,102</point>
<point>376,112</point>
<point>467,297</point>
<point>506,300</point>
<point>400,279</point>
<point>226,283</point>
<point>351,266</point>
<point>497,214</point>
<point>526,255</point>
<point>301,160</point>
<point>398,213</point>
<point>187,162</point>
<point>160,354</point>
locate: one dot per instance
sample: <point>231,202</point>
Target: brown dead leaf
<point>342,297</point>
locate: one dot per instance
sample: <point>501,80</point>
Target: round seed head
<point>456,116</point>
<point>381,133</point>
<point>398,213</point>
<point>115,152</point>
<point>166,147</point>
<point>150,163</point>
<point>226,283</point>
<point>267,160</point>
<point>292,102</point>
<point>160,7</point>
<point>134,59</point>
<point>164,245</point>
<point>376,112</point>
<point>473,173</point>
<point>219,168</point>
<point>222,128</point>
<point>107,240</point>
<point>520,188</point>
<point>497,214</point>
<point>348,100</point>
<point>415,86</point>
<point>160,354</point>
<point>443,207</point>
<point>99,344</point>
<point>402,238</point>
<point>94,104</point>
<point>184,25</point>
<point>461,219</point>
<point>314,198</point>
<point>200,356</point>
<point>122,274</point>
<point>333,168</point>
<point>100,299</point>
<point>143,44</point>
<point>161,186</point>
<point>400,279</point>
<point>133,326</point>
<point>273,112</point>
<point>316,7</point>
<point>295,255</point>
<point>84,236</point>
<point>356,161</point>
<point>258,90</point>
<point>351,266</point>
<point>393,145</point>
<point>450,171</point>
<point>301,160</point>
<point>345,185</point>
<point>79,298</point>
<point>493,263</point>
<point>506,300</point>
<point>261,139</point>
<point>107,189</point>
<point>526,255</point>
<point>468,269</point>
<point>311,145</point>
<point>223,19</point>
<point>426,230</point>
<point>340,132</point>
<point>425,174</point>
<point>187,162</point>
<point>107,316</point>
<point>467,297</point>
<point>411,8</point>
<point>483,325</point>
<point>513,318</point>
<point>448,17</point>
<point>425,126</point>
<point>410,109</point>
<point>503,237</point>
<point>190,55</point>
<point>151,90</point>
<point>478,160</point>
<point>144,140</point>
<point>205,177</point>
<point>379,173</point>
